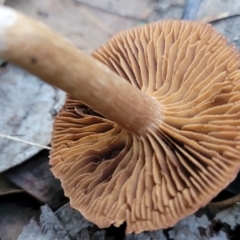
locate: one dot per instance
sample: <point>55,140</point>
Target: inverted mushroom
<point>152,160</point>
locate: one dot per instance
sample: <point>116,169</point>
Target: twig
<point>225,203</point>
<point>24,141</point>
<point>219,17</point>
<point>13,191</point>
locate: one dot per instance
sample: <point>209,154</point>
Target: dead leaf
<point>85,26</point>
<point>227,14</point>
<point>49,228</point>
<point>123,8</point>
<point>72,220</point>
<point>208,8</point>
<point>171,9</point>
<point>191,9</point>
<point>65,224</point>
<point>28,107</point>
<point>71,223</point>
<point>35,177</point>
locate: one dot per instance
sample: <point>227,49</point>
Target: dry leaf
<point>49,228</point>
<point>28,107</point>
<point>85,27</point>
<point>35,177</point>
<point>124,8</point>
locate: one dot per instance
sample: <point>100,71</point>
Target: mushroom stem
<point>34,47</point>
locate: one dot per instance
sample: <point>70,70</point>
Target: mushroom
<point>152,142</point>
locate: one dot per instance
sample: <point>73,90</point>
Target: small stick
<point>34,47</point>
<point>221,16</point>
<point>225,203</point>
<point>24,141</point>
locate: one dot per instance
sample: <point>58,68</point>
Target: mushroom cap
<point>112,176</point>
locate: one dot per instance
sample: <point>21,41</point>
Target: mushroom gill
<point>113,176</point>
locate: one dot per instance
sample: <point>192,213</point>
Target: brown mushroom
<point>149,175</point>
